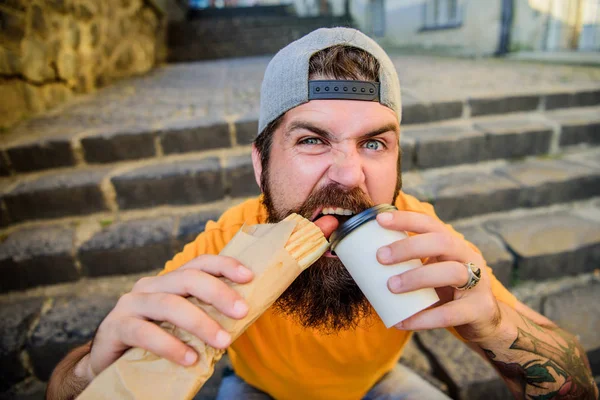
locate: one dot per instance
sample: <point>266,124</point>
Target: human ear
<point>257,165</point>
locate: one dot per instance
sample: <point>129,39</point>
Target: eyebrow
<point>328,135</point>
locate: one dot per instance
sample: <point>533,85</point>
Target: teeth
<point>336,210</point>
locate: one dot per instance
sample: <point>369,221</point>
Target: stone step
<point>469,190</point>
<point>201,178</point>
<point>131,241</point>
<point>212,175</point>
<point>48,252</point>
<point>40,326</point>
<point>83,137</point>
<point>65,251</point>
<point>499,137</point>
<point>228,36</point>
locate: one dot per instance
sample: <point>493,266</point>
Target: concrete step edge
<point>49,253</point>
<point>22,155</point>
<point>145,186</point>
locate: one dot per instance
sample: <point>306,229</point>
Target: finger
<point>205,287</point>
<point>448,273</point>
<point>410,221</point>
<point>444,245</point>
<point>178,311</point>
<point>454,313</point>
<point>149,336</point>
<point>221,266</point>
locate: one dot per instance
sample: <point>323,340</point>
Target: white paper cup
<point>356,243</point>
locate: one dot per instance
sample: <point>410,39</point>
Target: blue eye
<point>311,141</point>
<point>373,145</point>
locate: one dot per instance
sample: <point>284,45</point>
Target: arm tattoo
<point>546,369</point>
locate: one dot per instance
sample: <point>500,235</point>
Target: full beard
<point>324,296</point>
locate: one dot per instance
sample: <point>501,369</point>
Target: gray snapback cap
<point>285,84</point>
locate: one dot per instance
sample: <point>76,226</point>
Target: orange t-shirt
<point>287,361</point>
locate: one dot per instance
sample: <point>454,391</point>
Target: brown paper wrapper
<point>139,374</point>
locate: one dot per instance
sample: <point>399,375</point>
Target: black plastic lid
<point>368,215</point>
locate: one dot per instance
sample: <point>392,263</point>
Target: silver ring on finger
<point>474,276</point>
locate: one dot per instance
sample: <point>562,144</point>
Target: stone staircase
<point>105,190</point>
<point>241,32</point>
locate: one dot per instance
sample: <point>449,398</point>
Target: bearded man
<point>328,147</point>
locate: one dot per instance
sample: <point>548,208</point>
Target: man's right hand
<point>162,298</point>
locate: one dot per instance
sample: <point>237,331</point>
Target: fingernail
<point>384,254</point>
<point>385,217</point>
<point>223,338</point>
<point>395,283</point>
<point>240,307</point>
<point>190,357</point>
<point>244,272</point>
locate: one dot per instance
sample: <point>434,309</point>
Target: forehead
<point>342,116</point>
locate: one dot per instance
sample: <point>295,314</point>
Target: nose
<point>347,168</point>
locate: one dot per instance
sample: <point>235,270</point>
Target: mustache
<point>334,195</point>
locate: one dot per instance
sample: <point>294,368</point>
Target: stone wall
<point>51,49</point>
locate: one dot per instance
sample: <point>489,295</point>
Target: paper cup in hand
<point>356,243</point>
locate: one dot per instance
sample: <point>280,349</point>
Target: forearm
<point>71,375</point>
<point>539,359</point>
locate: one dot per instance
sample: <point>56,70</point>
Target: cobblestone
<point>487,106</point>
<point>471,377</point>
<point>414,358</point>
<point>547,182</point>
<point>195,135</point>
<point>514,137</point>
<point>407,146</point>
<point>550,246</point>
<point>70,322</point>
<point>13,331</point>
<point>128,247</point>
<point>41,155</point>
<point>119,144</point>
<point>246,130</point>
<point>586,98</point>
<point>37,256</point>
<point>239,176</point>
<point>463,193</point>
<point>70,193</point>
<point>581,98</point>
<point>182,182</point>
<point>583,323</point>
<point>421,113</point>
<point>578,126</point>
<point>432,145</point>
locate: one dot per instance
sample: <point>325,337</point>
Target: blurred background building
<point>52,49</point>
<point>459,26</point>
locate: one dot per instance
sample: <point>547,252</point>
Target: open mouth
<point>341,214</point>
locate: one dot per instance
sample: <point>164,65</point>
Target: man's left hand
<point>474,313</point>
